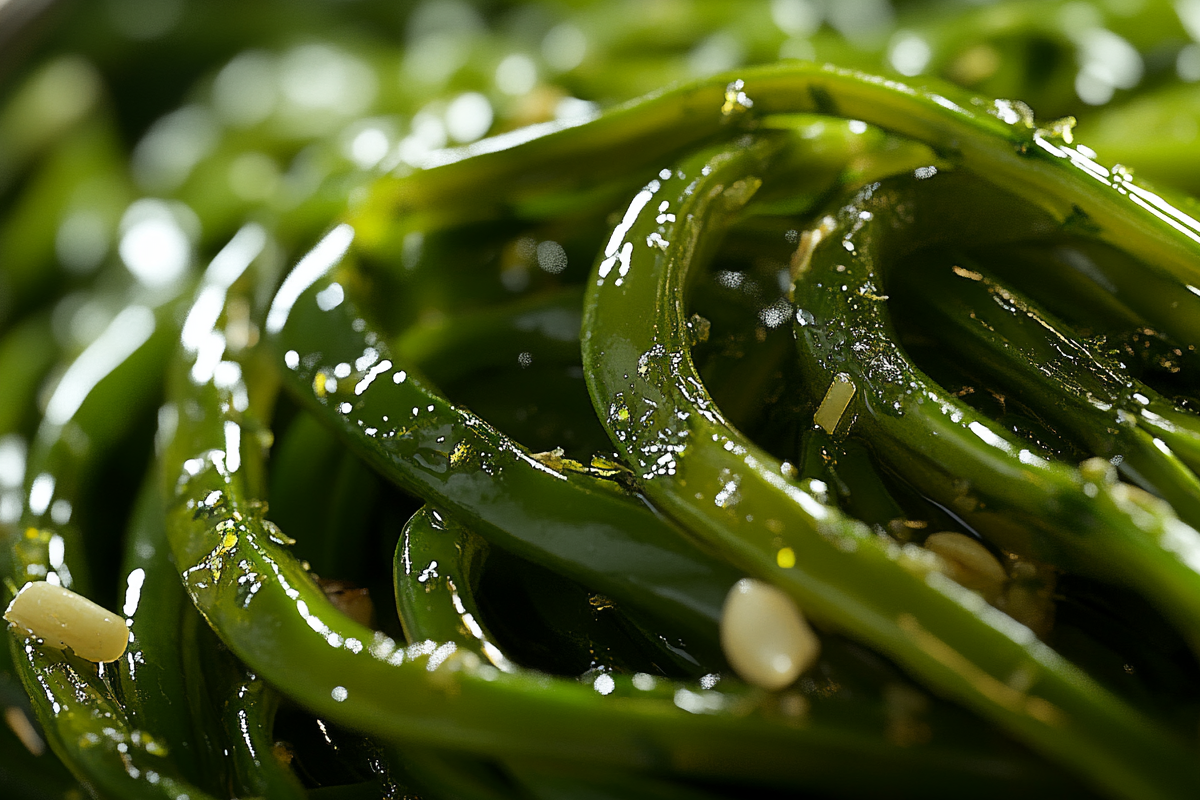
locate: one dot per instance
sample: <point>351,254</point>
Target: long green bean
<point>400,315</point>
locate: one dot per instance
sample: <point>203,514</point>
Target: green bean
<point>1026,504</point>
<point>151,678</point>
<point>27,768</point>
<point>248,708</point>
<point>94,736</point>
<point>436,571</point>
<point>545,327</point>
<point>437,564</point>
<point>325,498</point>
<point>559,415</point>
<point>334,544</point>
<point>240,644</point>
<point>1034,354</point>
<point>27,353</point>
<point>660,417</point>
<point>212,737</point>
<point>581,524</point>
<point>84,722</point>
<point>343,676</point>
<point>342,682</point>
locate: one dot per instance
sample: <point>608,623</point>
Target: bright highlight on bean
<point>447,422</point>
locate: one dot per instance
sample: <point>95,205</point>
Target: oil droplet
<point>1062,129</point>
<point>786,558</point>
<point>324,384</point>
<point>1013,112</point>
<point>736,100</point>
<point>643,682</point>
<point>460,454</point>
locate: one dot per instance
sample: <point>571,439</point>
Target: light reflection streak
<point>1190,234</point>
<point>1182,540</point>
<point>227,375</point>
<point>233,446</point>
<point>382,646</point>
<point>330,297</point>
<point>225,268</point>
<point>806,502</point>
<point>611,254</point>
<point>1049,148</point>
<point>1154,203</point>
<point>500,142</point>
<point>244,725</point>
<point>369,378</point>
<point>56,550</point>
<point>950,105</point>
<point>202,317</point>
<point>316,263</point>
<point>209,353</point>
<point>1029,459</point>
<point>128,331</point>
<point>12,461</point>
<point>40,493</point>
<point>439,656</point>
<point>1082,161</point>
<point>1163,206</point>
<point>698,702</point>
<point>989,437</point>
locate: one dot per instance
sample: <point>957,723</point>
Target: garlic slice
<point>764,636</point>
<point>61,619</point>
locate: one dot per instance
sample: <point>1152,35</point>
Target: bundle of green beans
<point>599,400</point>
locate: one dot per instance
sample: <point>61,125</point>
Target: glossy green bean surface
<point>545,400</point>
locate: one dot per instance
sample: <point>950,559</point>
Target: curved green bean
<point>703,471</point>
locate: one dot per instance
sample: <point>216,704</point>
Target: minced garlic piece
<point>837,399</point>
<point>764,636</point>
<point>969,563</point>
<point>61,619</point>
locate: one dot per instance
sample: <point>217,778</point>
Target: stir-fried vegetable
<point>650,400</point>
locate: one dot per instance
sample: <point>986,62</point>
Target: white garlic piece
<point>969,563</point>
<point>61,619</point>
<point>764,636</point>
